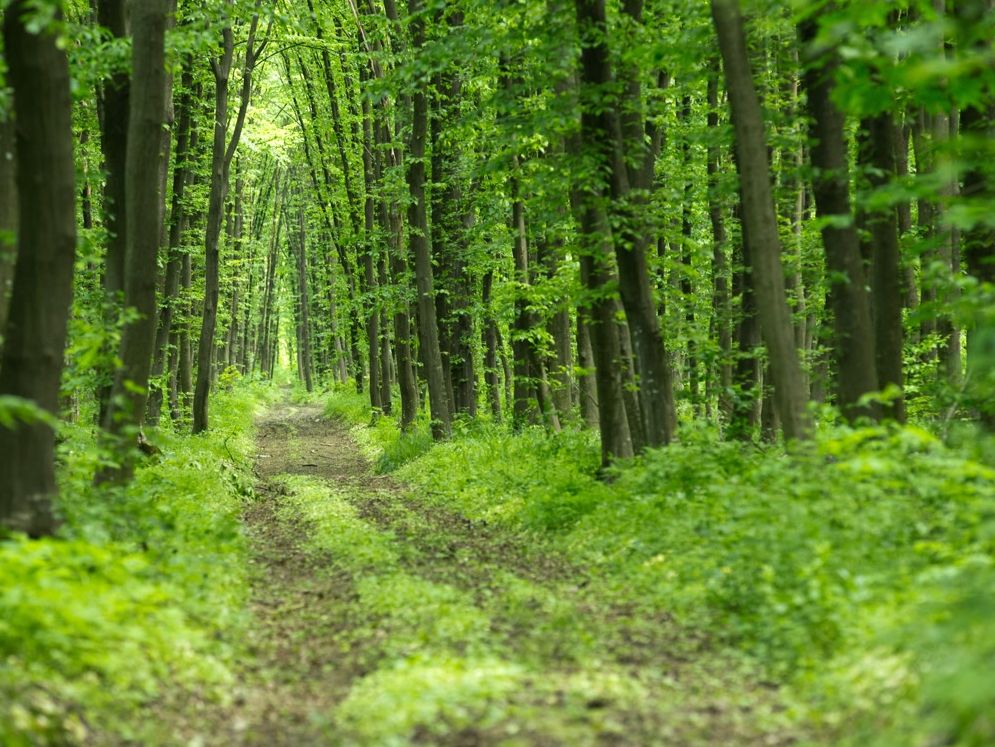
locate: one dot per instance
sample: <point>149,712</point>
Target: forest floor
<point>379,620</point>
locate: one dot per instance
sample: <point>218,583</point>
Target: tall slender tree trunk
<point>182,380</point>
<point>222,154</point>
<point>745,414</point>
<point>848,298</point>
<point>238,247</point>
<point>186,142</point>
<point>143,187</point>
<point>112,15</point>
<point>562,332</point>
<point>32,357</point>
<point>303,301</point>
<point>371,303</point>
<point>491,378</point>
<point>525,402</point>
<point>977,129</point>
<point>269,294</point>
<point>686,259</point>
<point>721,312</point>
<point>758,216</point>
<point>587,389</point>
<point>421,248</point>
<point>879,153</point>
<point>8,216</point>
<point>910,294</point>
<point>602,135</point>
<point>921,140</point>
<point>945,125</point>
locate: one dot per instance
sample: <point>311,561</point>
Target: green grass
<point>858,569</point>
<point>440,659</point>
<point>141,596</point>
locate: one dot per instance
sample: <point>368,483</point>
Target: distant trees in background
<point>623,215</point>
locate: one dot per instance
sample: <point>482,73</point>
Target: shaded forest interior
<point>658,232</point>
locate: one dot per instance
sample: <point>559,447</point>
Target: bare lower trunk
<point>185,145</point>
<point>8,216</point>
<point>587,390</point>
<point>31,363</point>
<point>143,186</point>
<point>879,149</point>
<point>760,221</point>
<point>222,154</point>
<point>720,273</point>
<point>854,334</point>
<point>491,378</point>
<point>112,15</point>
<point>421,249</point>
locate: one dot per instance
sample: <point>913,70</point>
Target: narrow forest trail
<point>381,620</point>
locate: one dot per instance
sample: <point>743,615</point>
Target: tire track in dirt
<point>311,643</point>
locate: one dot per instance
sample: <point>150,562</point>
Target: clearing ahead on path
<point>381,620</point>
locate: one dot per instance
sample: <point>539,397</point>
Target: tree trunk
<point>232,344</point>
<point>977,129</point>
<point>186,142</point>
<point>687,269</point>
<point>143,221</point>
<point>524,407</point>
<point>720,280</point>
<point>370,303</point>
<point>745,415</point>
<point>586,380</point>
<point>8,216</point>
<point>421,248</point>
<point>304,337</point>
<point>222,154</point>
<point>560,329</point>
<point>269,293</point>
<point>848,299</point>
<point>32,358</point>
<point>879,154</point>
<point>909,293</point>
<point>758,216</point>
<point>602,137</point>
<point>921,134</point>
<point>112,15</point>
<point>491,379</point>
<point>183,379</point>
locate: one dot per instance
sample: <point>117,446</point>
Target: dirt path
<point>380,620</point>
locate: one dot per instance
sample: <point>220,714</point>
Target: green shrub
<point>858,567</point>
<point>142,594</point>
<point>426,696</point>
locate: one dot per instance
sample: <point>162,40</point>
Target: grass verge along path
<point>381,620</point>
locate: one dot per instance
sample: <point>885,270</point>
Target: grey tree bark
<point>32,358</point>
<point>222,154</point>
<point>143,222</point>
<point>758,217</point>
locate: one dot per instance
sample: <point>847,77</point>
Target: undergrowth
<point>139,598</point>
<point>511,661</point>
<point>857,569</point>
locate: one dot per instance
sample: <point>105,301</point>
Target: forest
<point>497,372</point>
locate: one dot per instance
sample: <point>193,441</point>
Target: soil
<point>304,656</point>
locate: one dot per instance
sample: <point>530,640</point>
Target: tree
<point>603,136</point>
<point>115,108</point>
<point>8,215</point>
<point>32,358</point>
<point>223,151</point>
<point>143,226</point>
<point>419,240</point>
<point>759,221</point>
<point>848,297</point>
